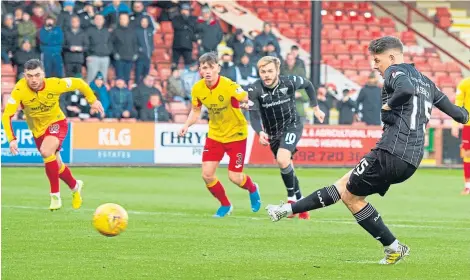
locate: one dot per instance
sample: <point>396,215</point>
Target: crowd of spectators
<point>88,38</point>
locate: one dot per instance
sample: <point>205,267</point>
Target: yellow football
<point>110,219</point>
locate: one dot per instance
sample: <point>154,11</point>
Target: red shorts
<point>466,137</point>
<point>214,151</point>
<point>58,129</point>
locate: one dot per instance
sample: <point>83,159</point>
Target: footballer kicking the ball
<point>39,99</point>
<point>228,132</point>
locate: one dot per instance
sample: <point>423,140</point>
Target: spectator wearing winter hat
<point>263,39</point>
<point>246,71</point>
<point>346,107</point>
<point>9,38</point>
<point>227,67</point>
<point>250,51</point>
<point>27,31</point>
<point>142,92</point>
<point>101,92</point>
<point>125,48</point>
<point>238,42</point>
<point>76,44</point>
<point>25,53</point>
<point>100,49</point>
<point>184,35</point>
<point>63,20</point>
<point>209,32</point>
<point>51,39</point>
<point>121,103</point>
<point>113,11</point>
<point>145,42</point>
<point>175,91</point>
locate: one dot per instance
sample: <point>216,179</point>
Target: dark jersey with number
<point>277,105</point>
<point>405,137</point>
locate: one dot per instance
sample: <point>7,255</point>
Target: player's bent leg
<point>75,186</point>
<point>48,149</point>
<point>216,188</point>
<point>318,199</point>
<point>245,182</point>
<point>370,220</point>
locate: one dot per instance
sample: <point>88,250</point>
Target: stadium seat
<point>289,32</point>
<point>349,35</point>
<point>364,7</point>
<point>297,19</point>
<point>328,49</point>
<point>262,3</point>
<point>335,63</point>
<point>303,32</point>
<point>364,65</point>
<point>357,57</point>
<point>166,27</point>
<point>179,118</point>
<point>343,57</point>
<point>453,67</point>
<point>341,49</point>
<point>355,49</point>
<point>277,11</point>
<point>269,17</point>
<point>348,65</point>
<point>387,22</point>
<point>408,37</point>
<point>291,4</point>
<point>329,18</point>
<point>439,67</point>
<point>445,81</point>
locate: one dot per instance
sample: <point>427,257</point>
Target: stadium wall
<point>158,144</point>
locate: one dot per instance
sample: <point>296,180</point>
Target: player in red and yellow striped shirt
<point>228,131</point>
<point>39,99</point>
<point>463,99</point>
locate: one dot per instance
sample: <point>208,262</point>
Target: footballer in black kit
<point>408,98</point>
<point>274,117</point>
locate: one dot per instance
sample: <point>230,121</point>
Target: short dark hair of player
<point>381,45</point>
<point>210,58</point>
<point>294,48</point>
<point>33,64</point>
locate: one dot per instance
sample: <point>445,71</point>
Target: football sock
<point>288,176</point>
<point>466,172</point>
<point>298,194</point>
<point>66,175</point>
<point>248,184</point>
<point>52,172</point>
<point>372,222</point>
<point>218,192</point>
<point>318,199</point>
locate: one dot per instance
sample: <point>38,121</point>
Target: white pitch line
<point>185,214</point>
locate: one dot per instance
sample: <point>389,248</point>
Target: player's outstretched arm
<point>302,83</point>
<point>71,84</point>
<point>192,119</point>
<point>10,110</point>
<point>459,114</point>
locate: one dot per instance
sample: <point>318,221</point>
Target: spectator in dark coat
<point>63,20</point>
<point>346,108</point>
<point>121,105</point>
<point>101,92</point>
<point>227,68</point>
<point>87,16</point>
<point>139,12</point>
<point>101,46</point>
<point>125,48</point>
<point>237,43</point>
<point>294,50</point>
<point>369,102</point>
<point>246,72</point>
<point>51,39</point>
<point>142,92</point>
<point>154,110</point>
<point>9,38</point>
<point>112,13</point>
<point>75,46</point>
<point>208,31</point>
<point>250,52</point>
<point>184,27</point>
<point>22,55</point>
<point>27,31</point>
<point>145,43</point>
<point>262,40</point>
<point>76,106</point>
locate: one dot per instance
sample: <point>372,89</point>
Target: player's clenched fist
<point>97,107</point>
<point>319,114</point>
<point>263,138</point>
<point>14,147</point>
<point>183,131</point>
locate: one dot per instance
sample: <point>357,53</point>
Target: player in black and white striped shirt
<point>273,99</point>
<point>408,97</point>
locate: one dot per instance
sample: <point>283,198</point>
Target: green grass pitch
<point>171,233</point>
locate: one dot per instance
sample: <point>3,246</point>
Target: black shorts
<point>287,140</point>
<point>376,172</point>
